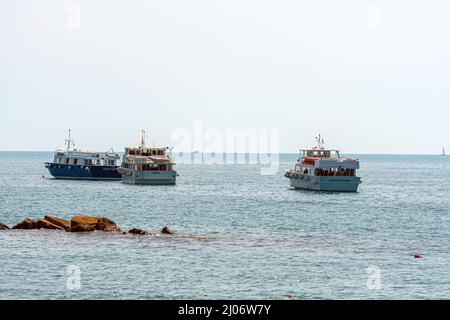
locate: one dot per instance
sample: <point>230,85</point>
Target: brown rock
<point>83,223</point>
<point>88,223</point>
<point>44,224</point>
<point>139,232</point>
<point>105,224</point>
<point>166,230</point>
<point>26,224</point>
<point>58,222</point>
<point>82,227</point>
<point>3,226</point>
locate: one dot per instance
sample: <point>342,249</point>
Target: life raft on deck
<point>310,161</point>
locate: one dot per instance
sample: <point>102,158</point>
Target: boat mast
<point>142,145</point>
<point>69,141</point>
<point>320,143</point>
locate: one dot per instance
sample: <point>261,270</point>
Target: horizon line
<point>351,153</point>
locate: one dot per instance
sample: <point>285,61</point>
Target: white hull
<point>150,177</point>
<point>337,183</point>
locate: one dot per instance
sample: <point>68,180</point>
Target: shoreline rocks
<point>139,232</point>
<point>90,223</point>
<point>3,226</point>
<point>83,223</point>
<point>58,222</point>
<point>27,224</point>
<point>167,231</point>
<point>44,224</point>
<point>105,224</point>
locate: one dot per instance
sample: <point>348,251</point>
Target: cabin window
<point>75,161</point>
<point>67,160</point>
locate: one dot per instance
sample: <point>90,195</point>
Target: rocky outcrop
<point>88,223</point>
<point>58,222</point>
<point>27,224</point>
<point>44,224</point>
<point>166,230</point>
<point>105,224</point>
<point>139,232</point>
<point>3,226</point>
<point>83,223</point>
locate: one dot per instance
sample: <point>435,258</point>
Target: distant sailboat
<point>443,151</point>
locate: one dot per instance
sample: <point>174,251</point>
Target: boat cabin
<point>324,162</point>
<point>145,152</point>
<point>147,159</point>
<point>79,158</point>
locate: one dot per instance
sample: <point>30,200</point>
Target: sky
<point>371,76</point>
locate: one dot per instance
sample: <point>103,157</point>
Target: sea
<point>239,234</point>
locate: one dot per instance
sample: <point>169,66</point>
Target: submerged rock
<point>27,224</point>
<point>89,223</point>
<point>139,232</point>
<point>166,230</point>
<point>3,226</point>
<point>58,222</point>
<point>44,224</point>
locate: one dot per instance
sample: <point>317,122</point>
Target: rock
<point>88,223</point>
<point>139,232</point>
<point>27,224</point>
<point>166,230</point>
<point>105,224</point>
<point>58,222</point>
<point>83,223</point>
<point>44,224</point>
<point>3,226</point>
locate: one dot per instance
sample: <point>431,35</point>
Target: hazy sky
<point>371,76</point>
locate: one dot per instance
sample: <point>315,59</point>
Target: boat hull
<point>76,172</point>
<point>150,177</point>
<point>337,183</point>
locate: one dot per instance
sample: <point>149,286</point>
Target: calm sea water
<point>266,240</point>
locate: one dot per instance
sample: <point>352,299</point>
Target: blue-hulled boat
<point>71,163</point>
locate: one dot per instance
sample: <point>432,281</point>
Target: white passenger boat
<point>147,165</point>
<point>324,170</point>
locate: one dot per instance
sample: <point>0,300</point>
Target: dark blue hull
<point>67,171</point>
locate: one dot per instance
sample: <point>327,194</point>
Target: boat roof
<point>79,153</point>
<point>149,159</point>
<point>146,148</point>
<point>315,149</point>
